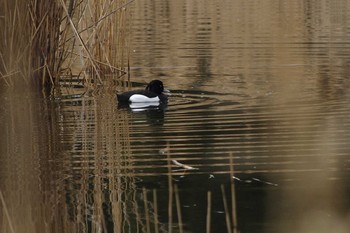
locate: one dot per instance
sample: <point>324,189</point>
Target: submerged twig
<point>183,165</point>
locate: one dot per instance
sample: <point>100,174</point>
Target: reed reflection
<point>67,166</point>
<point>30,182</point>
<point>101,190</point>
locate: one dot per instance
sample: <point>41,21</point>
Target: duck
<point>153,93</point>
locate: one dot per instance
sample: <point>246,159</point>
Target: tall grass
<point>14,41</point>
<point>50,41</point>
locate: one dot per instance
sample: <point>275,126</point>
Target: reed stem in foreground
<point>227,214</point>
<point>233,193</point>
<point>145,201</point>
<point>170,191</point>
<point>208,212</point>
<point>178,208</point>
<point>155,213</point>
<point>6,212</point>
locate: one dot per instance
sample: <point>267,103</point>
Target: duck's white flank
<point>137,98</point>
<point>138,107</point>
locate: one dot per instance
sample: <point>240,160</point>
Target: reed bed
<point>50,42</point>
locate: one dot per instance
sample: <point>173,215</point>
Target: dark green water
<point>259,105</point>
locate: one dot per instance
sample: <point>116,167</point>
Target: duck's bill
<point>166,91</point>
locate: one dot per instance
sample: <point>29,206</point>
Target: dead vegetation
<point>48,42</point>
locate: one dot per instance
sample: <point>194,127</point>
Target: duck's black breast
<point>125,97</point>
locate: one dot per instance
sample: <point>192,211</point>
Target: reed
<point>3,203</point>
<point>208,219</point>
<point>227,214</point>
<point>170,191</point>
<point>178,208</point>
<point>155,213</point>
<point>233,195</point>
<point>13,44</point>
<point>145,201</point>
<point>50,41</point>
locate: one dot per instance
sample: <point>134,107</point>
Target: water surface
<point>257,120</point>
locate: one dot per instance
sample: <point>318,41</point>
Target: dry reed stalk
<point>106,29</point>
<point>6,212</point>
<point>170,192</point>
<point>155,212</point>
<point>227,215</point>
<point>44,26</point>
<point>178,208</point>
<point>13,40</point>
<point>145,203</point>
<point>117,208</point>
<point>138,218</point>
<point>233,194</point>
<point>78,36</point>
<point>208,221</point>
<point>41,38</point>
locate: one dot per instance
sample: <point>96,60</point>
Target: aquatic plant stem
<point>227,215</point>
<point>233,194</point>
<point>155,211</point>
<point>145,201</point>
<point>178,208</point>
<point>170,190</point>
<point>6,212</point>
<point>81,41</point>
<point>208,212</point>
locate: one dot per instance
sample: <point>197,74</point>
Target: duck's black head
<point>155,86</point>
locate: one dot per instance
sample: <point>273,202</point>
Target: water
<point>258,109</point>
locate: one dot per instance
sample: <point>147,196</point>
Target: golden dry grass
<point>51,41</point>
